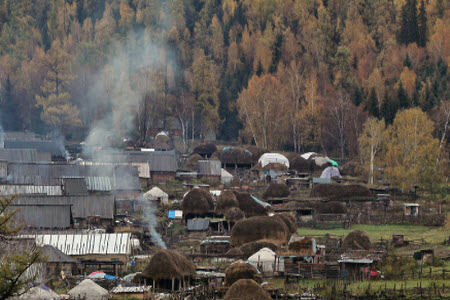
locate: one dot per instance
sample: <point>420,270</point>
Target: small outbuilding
<point>225,176</point>
<point>265,260</point>
<point>158,195</point>
<point>411,209</point>
<point>134,292</point>
<point>330,172</point>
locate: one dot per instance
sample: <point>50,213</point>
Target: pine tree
<point>409,30</point>
<point>402,97</point>
<point>372,104</point>
<point>9,117</point>
<point>422,25</point>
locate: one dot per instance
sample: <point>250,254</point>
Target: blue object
<point>171,214</point>
<point>110,277</point>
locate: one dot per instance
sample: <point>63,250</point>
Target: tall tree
<point>371,142</point>
<point>422,25</point>
<point>409,30</point>
<point>412,151</point>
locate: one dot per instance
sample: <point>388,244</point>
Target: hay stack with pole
<point>233,215</point>
<point>205,150</point>
<point>301,246</point>
<point>248,205</point>
<point>234,157</point>
<point>246,289</point>
<point>226,200</point>
<point>167,268</point>
<point>340,191</point>
<point>302,165</point>
<point>357,240</point>
<point>253,247</point>
<point>235,252</point>
<point>241,270</point>
<point>276,190</point>
<point>197,202</point>
<point>192,162</point>
<point>259,228</point>
<point>291,226</point>
<point>332,207</point>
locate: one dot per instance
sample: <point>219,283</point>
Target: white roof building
<point>273,158</point>
<point>156,194</point>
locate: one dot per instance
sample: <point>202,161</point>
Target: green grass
<point>431,235</point>
<point>375,285</point>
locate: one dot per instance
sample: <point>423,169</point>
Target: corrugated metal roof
<point>197,224</point>
<point>3,169</point>
<point>24,155</point>
<point>49,190</point>
<point>143,167</point>
<point>74,186</point>
<point>209,167</point>
<point>55,148</point>
<point>131,289</point>
<point>49,216</point>
<point>84,244</point>
<point>82,206</point>
<point>101,184</point>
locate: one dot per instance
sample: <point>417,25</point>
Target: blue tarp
<point>171,214</point>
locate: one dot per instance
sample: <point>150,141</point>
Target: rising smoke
<point>150,216</point>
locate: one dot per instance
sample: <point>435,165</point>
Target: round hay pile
<point>246,289</point>
<point>301,247</point>
<point>276,190</point>
<point>259,228</point>
<point>289,221</point>
<point>357,240</point>
<point>340,191</point>
<point>332,207</point>
<point>251,248</point>
<point>163,142</point>
<point>248,205</point>
<point>205,150</point>
<point>234,156</point>
<point>197,202</point>
<point>168,264</point>
<point>237,271</point>
<point>275,167</point>
<point>234,214</point>
<point>234,252</point>
<point>300,164</point>
<point>256,153</point>
<point>192,162</point>
<point>351,168</point>
<point>226,200</point>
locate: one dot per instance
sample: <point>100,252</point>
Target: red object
<point>373,273</point>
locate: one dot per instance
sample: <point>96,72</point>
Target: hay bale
<point>259,228</point>
<point>351,168</point>
<point>357,240</point>
<point>237,271</point>
<point>271,166</point>
<point>302,165</point>
<point>340,191</point>
<point>226,200</point>
<point>246,289</point>
<point>251,248</point>
<point>168,264</point>
<point>276,190</point>
<point>192,162</point>
<point>289,221</point>
<point>234,214</point>
<point>163,142</point>
<point>197,202</point>
<point>332,207</point>
<point>301,247</point>
<point>234,156</point>
<point>256,153</point>
<point>248,205</point>
<point>205,150</point>
<point>234,252</point>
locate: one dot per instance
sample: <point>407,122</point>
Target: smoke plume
<point>150,217</point>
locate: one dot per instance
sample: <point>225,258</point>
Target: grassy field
<point>430,235</point>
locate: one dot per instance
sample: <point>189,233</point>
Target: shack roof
<point>209,167</point>
<point>82,206</point>
<point>87,243</point>
<point>54,255</point>
<point>24,155</point>
<point>49,190</point>
<point>43,215</point>
<point>75,186</point>
<point>197,225</point>
<point>55,148</point>
<point>156,192</point>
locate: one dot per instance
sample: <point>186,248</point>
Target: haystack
<point>197,202</point>
<point>256,153</point>
<point>332,207</point>
<point>205,150</point>
<point>248,205</point>
<point>300,164</point>
<point>169,264</point>
<point>240,270</point>
<point>163,142</point>
<point>357,240</point>
<point>192,162</point>
<point>234,156</point>
<point>252,247</point>
<point>340,191</point>
<point>38,293</point>
<point>258,228</point>
<point>234,252</point>
<point>246,289</point>
<point>88,289</point>
<point>289,221</point>
<point>226,200</point>
<point>301,246</point>
<point>234,214</point>
<point>351,168</point>
<point>276,190</point>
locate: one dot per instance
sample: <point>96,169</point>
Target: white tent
<point>330,172</point>
<point>273,158</point>
<point>89,290</point>
<point>266,261</point>
<point>38,293</point>
<point>225,176</point>
<point>156,194</point>
<point>309,155</point>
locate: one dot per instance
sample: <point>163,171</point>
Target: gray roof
<point>82,206</point>
<point>24,155</point>
<point>55,148</point>
<point>197,224</point>
<point>41,215</point>
<point>209,167</point>
<point>75,186</point>
<point>54,255</point>
<point>49,190</point>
